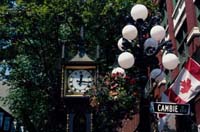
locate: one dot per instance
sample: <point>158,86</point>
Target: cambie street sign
<point>170,108</point>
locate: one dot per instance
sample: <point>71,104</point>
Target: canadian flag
<point>185,87</point>
<point>187,84</point>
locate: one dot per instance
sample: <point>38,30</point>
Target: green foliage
<point>30,48</point>
<point>28,92</point>
<point>148,3</point>
<point>31,51</point>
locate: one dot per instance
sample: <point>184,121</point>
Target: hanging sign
<point>170,108</point>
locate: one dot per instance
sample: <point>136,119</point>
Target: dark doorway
<point>80,123</point>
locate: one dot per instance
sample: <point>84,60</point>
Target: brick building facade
<point>182,22</point>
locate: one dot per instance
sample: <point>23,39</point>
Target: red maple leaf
<point>186,85</point>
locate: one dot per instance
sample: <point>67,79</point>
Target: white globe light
<point>119,71</point>
<point>129,32</point>
<point>150,46</point>
<point>120,45</point>
<point>157,32</point>
<point>126,60</point>
<point>139,11</point>
<point>170,61</point>
<point>157,74</point>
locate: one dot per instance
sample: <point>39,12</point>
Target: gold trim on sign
<point>62,81</point>
<point>76,95</point>
<point>80,67</point>
<point>67,128</point>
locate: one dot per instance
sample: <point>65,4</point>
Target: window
<point>181,34</point>
<point>175,2</point>
<point>1,119</point>
<point>12,127</point>
<point>7,123</point>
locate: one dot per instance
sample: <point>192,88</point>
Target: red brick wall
<point>170,10</point>
<point>191,22</point>
<point>130,125</point>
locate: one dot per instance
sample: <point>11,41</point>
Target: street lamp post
<point>142,39</point>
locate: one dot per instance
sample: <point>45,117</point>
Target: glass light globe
<point>120,45</point>
<point>129,32</point>
<point>157,32</point>
<point>150,46</point>
<point>157,74</point>
<point>119,70</point>
<point>126,60</point>
<point>139,11</point>
<point>170,61</point>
